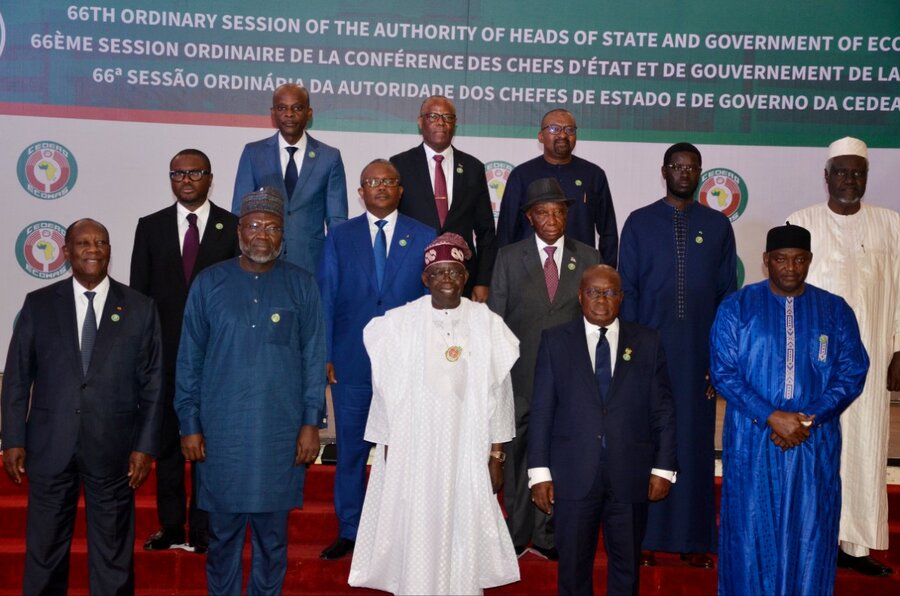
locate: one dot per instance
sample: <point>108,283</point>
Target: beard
<point>684,195</point>
<point>258,256</point>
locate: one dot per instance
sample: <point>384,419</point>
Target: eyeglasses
<point>255,228</point>
<point>281,108</point>
<point>555,129</point>
<point>684,168</point>
<point>452,274</point>
<point>434,117</point>
<point>855,174</point>
<point>386,182</point>
<point>178,175</point>
<point>595,294</point>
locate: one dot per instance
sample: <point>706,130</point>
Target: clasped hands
<point>789,429</point>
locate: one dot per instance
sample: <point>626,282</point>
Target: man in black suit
<point>86,355</point>
<point>170,248</point>
<point>446,189</point>
<point>602,436</point>
<point>535,287</point>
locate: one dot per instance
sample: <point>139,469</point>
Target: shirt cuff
<point>667,474</point>
<point>538,475</point>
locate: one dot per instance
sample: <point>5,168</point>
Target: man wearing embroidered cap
<point>441,411</point>
<point>534,287</point>
<point>250,395</point>
<point>857,248</point>
<point>788,359</point>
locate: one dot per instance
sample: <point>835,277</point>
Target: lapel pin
<point>578,183</point>
<point>276,317</point>
<point>571,266</point>
<point>402,242</point>
<point>115,318</point>
<point>699,238</point>
<point>219,226</point>
<point>312,154</point>
<point>459,169</point>
<point>627,355</point>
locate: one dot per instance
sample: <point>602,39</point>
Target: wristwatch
<point>499,455</point>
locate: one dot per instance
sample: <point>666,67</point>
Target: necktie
<point>190,248</point>
<point>380,251</point>
<point>88,332</point>
<point>290,173</point>
<point>602,366</point>
<point>440,190</point>
<point>551,272</point>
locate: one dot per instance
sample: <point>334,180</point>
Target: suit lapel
<point>622,366</point>
<point>362,247</point>
<point>569,279</point>
<point>109,329</point>
<point>581,359</point>
<point>309,163</point>
<point>532,267</point>
<point>275,153</point>
<point>171,245</point>
<point>398,252</point>
<point>213,237</point>
<point>68,323</point>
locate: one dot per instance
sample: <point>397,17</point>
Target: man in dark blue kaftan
<point>788,359</point>
<point>677,261</point>
<point>250,396</point>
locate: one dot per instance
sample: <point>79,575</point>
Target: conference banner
<point>96,97</point>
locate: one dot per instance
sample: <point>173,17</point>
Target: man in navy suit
<point>309,174</point>
<point>86,355</point>
<point>170,247</point>
<point>447,190</point>
<point>370,264</point>
<point>602,437</point>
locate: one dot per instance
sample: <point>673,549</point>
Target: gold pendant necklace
<point>453,352</point>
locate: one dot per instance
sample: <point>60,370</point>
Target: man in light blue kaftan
<point>250,396</point>
<point>788,358</point>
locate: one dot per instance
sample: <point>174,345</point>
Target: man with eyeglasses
<point>250,396</point>
<point>534,287</point>
<point>678,262</point>
<point>602,437</point>
<point>446,189</point>
<point>442,409</point>
<point>371,264</point>
<point>857,248</point>
<point>306,171</point>
<point>788,359</point>
<point>171,247</point>
<point>592,218</point>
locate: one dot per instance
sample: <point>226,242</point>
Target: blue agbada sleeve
<point>312,343</point>
<point>191,356</point>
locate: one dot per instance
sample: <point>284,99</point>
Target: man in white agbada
<point>442,408</point>
<point>857,256</point>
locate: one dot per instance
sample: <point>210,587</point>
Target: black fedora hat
<point>544,190</point>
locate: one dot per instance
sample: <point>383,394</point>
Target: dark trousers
<point>526,523</point>
<point>52,504</point>
<point>578,523</point>
<point>351,410</point>
<point>268,564</point>
<point>170,489</point>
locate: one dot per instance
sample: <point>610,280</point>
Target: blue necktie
<point>290,173</point>
<point>88,332</point>
<point>602,366</point>
<point>380,249</point>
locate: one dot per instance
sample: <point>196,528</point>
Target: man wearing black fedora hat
<point>535,286</point>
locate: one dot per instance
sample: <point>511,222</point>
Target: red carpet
<point>182,573</point>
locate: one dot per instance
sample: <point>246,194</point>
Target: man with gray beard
<point>250,396</point>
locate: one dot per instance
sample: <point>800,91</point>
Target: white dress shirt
<point>202,213</point>
<point>298,154</point>
<point>81,302</point>
<point>557,255</point>
<point>446,165</point>
<point>389,227</point>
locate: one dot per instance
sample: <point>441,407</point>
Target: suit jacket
<point>104,415</point>
<point>519,295</point>
<point>470,213</point>
<point>569,421</point>
<point>319,199</point>
<point>350,294</point>
<point>156,268</point>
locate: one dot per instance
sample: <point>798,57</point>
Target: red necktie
<point>190,248</point>
<point>440,190</point>
<point>551,272</point>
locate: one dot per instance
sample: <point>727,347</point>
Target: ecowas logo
<point>39,250</point>
<point>723,190</point>
<point>47,170</point>
<point>497,173</point>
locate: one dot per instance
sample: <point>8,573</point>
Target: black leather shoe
<point>165,539</point>
<point>698,560</point>
<point>338,549</point>
<point>547,553</point>
<point>199,541</point>
<point>865,565</point>
<point>648,558</point>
